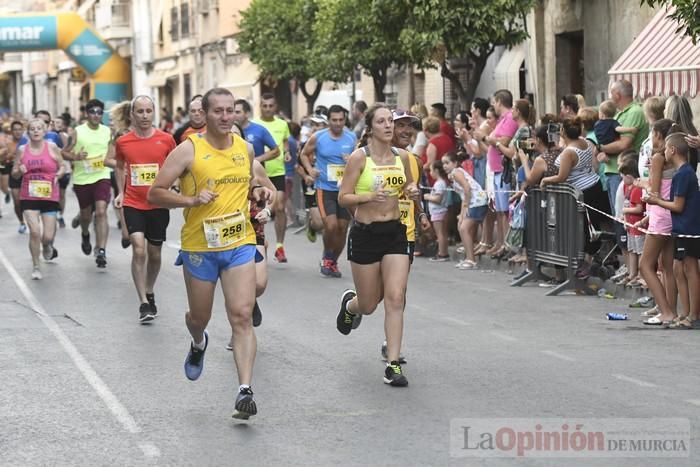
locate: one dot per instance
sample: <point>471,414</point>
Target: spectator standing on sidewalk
<point>577,167</point>
<point>653,111</point>
<point>500,137</point>
<point>658,243</point>
<point>629,115</point>
<point>569,106</point>
<point>685,213</point>
<point>439,144</point>
<point>359,109</point>
<point>678,109</point>
<point>438,110</point>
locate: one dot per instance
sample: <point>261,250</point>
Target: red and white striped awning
<point>660,62</point>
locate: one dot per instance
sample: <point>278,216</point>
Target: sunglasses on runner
<point>95,111</point>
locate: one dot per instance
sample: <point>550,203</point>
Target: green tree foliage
<point>360,32</point>
<point>466,31</point>
<point>278,38</point>
<point>687,13</point>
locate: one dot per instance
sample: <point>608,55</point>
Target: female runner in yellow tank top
<point>376,175</point>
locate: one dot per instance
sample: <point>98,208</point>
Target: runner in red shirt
<point>139,155</point>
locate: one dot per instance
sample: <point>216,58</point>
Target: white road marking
<point>149,450</point>
<point>173,245</point>
<point>638,382</point>
<point>693,401</point>
<point>120,413</point>
<point>455,321</point>
<point>505,337</point>
<point>554,354</point>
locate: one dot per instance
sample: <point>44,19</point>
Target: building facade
<point>179,48</point>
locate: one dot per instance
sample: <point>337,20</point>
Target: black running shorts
<point>328,204</point>
<point>153,223</point>
<point>369,243</point>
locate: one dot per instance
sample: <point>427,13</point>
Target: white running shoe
<point>36,274</point>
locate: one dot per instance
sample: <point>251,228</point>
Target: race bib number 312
<point>40,189</point>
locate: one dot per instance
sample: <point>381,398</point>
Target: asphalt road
<point>85,384</point>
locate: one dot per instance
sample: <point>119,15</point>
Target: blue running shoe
<point>194,363</point>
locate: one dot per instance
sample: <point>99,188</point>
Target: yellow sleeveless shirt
<point>224,223</point>
<point>407,206</point>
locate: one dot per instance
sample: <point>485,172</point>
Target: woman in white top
<point>477,146</point>
<point>579,168</point>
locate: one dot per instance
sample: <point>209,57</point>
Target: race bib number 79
<point>405,210</point>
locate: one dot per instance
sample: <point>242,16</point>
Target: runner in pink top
<point>39,181</point>
<point>40,165</point>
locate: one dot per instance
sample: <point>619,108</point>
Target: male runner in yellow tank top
<point>218,240</point>
<point>410,209</point>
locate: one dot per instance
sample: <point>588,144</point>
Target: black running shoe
<point>85,245</point>
<point>152,301</point>
<point>245,405</point>
<point>257,315</point>
<point>145,313</point>
<point>393,375</point>
<point>101,258</point>
<point>194,363</point>
<point>347,321</point>
<point>54,255</point>
<point>385,354</point>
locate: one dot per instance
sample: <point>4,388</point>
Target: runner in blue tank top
<point>331,148</point>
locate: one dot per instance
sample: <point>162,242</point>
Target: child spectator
<point>658,244</point>
<point>607,129</point>
<point>473,208</point>
<point>685,216</point>
<point>633,210</point>
<point>437,206</point>
<point>617,207</point>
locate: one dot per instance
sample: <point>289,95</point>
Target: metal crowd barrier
<point>554,234</point>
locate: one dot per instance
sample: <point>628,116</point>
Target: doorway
<point>569,63</point>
